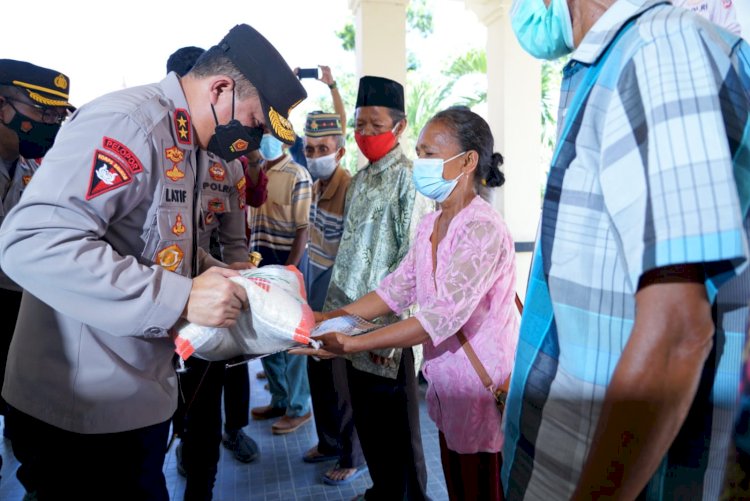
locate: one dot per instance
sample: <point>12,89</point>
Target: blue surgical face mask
<point>428,178</point>
<point>544,32</point>
<point>270,147</point>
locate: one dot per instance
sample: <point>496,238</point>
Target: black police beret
<point>278,86</point>
<point>44,86</point>
<point>379,91</point>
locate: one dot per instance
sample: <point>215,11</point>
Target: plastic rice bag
<point>279,318</point>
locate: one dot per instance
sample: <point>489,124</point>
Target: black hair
<point>473,133</point>
<point>215,62</point>
<point>182,60</point>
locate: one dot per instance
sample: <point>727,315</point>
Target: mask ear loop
<point>233,103</point>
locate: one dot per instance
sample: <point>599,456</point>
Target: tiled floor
<point>278,474</point>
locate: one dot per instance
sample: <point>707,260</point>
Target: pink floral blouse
<point>475,278</point>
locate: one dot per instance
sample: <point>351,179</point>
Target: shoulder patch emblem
<point>178,228</point>
<point>241,193</point>
<point>175,174</point>
<point>216,205</point>
<point>115,146</point>
<point>182,126</point>
<point>170,257</point>
<point>174,154</point>
<point>217,172</point>
<point>107,174</point>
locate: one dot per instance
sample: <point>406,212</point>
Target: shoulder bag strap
<point>470,353</point>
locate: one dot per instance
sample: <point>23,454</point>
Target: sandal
<point>358,472</point>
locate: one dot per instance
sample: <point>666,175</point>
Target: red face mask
<point>375,147</point>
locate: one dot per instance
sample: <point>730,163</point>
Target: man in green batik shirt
<point>379,214</point>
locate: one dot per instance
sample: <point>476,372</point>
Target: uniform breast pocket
<point>215,202</point>
<point>169,239</point>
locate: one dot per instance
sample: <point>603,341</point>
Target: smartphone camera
<point>307,73</point>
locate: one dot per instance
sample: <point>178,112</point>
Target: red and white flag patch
<point>107,174</point>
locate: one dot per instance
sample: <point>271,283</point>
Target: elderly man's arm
<point>653,385</point>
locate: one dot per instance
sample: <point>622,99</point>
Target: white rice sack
<point>279,318</point>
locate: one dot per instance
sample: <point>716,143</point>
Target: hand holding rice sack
<point>278,318</point>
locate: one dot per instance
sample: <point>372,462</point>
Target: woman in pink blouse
<point>473,290</point>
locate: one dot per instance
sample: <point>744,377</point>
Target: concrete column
<point>380,38</point>
<point>514,114</point>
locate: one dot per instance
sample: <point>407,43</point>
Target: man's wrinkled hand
<point>312,352</point>
<point>215,301</point>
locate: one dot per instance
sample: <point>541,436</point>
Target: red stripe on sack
<point>262,283</point>
<point>305,326</point>
<point>300,280</point>
<point>183,347</point>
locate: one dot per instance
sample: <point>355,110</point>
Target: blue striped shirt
<point>654,172</point>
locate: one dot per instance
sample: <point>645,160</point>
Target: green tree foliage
<point>419,17</point>
<point>346,35</point>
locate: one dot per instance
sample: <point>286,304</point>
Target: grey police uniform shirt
<point>223,208</point>
<point>102,243</point>
<point>10,193</point>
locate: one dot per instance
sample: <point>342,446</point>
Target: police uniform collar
<point>173,91</point>
<point>601,35</point>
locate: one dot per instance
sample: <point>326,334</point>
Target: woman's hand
<point>319,317</point>
<point>336,342</point>
<point>333,344</point>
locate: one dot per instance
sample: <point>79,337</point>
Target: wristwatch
<point>333,86</point>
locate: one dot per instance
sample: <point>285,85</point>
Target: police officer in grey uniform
<point>198,417</point>
<point>33,104</point>
<point>104,245</point>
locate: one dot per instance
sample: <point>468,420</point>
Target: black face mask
<point>34,138</point>
<point>232,140</point>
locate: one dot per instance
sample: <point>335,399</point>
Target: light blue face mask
<point>270,147</point>
<point>544,32</point>
<point>428,178</point>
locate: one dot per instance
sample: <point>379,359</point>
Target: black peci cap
<point>42,85</point>
<point>379,91</point>
<point>278,87</point>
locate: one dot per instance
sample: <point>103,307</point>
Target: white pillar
<point>380,38</point>
<point>514,114</point>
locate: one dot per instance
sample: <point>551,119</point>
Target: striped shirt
<point>274,224</point>
<point>655,171</point>
<point>326,228</point>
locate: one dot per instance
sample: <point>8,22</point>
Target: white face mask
<point>322,167</point>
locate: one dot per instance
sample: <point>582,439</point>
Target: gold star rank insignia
<point>182,126</point>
